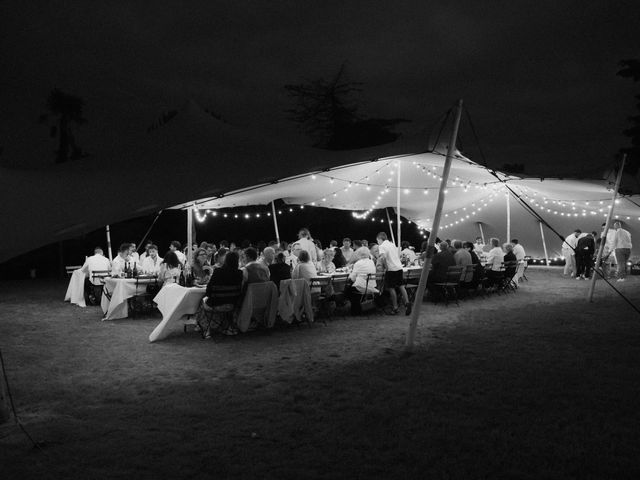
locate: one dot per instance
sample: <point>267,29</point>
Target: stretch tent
<point>478,202</point>
<point>195,158</point>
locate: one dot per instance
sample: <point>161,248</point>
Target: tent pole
<point>508,239</point>
<point>606,228</point>
<point>109,243</point>
<point>398,211</point>
<point>189,233</point>
<point>390,226</point>
<point>275,220</point>
<point>544,244</point>
<point>417,301</point>
<point>481,232</point>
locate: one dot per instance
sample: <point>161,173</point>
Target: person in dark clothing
<point>440,264</point>
<point>279,270</point>
<point>474,258</point>
<point>227,275</point>
<point>338,260</point>
<point>584,256</point>
<point>509,256</point>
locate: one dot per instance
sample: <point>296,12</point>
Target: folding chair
<point>368,297</point>
<point>450,285</point>
<point>338,284</point>
<point>220,316</point>
<point>71,268</point>
<point>494,280</point>
<point>466,278</point>
<point>319,295</point>
<point>141,302</point>
<point>97,285</point>
<point>510,269</point>
<point>411,281</point>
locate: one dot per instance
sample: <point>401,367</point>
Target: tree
<point>67,111</point>
<point>328,113</point>
<point>631,69</point>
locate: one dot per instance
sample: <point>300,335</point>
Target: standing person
<point>393,276</point>
<point>518,250</point>
<point>346,249</point>
<point>608,252</point>
<point>622,245</point>
<point>568,252</point>
<point>174,247</point>
<point>584,256</point>
<point>306,243</point>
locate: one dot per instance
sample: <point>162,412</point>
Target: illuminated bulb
<point>313,177</point>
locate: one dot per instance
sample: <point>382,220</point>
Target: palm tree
<point>68,111</point>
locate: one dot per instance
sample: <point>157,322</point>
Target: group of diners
<point>489,260</point>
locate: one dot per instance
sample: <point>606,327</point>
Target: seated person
<point>509,256</point>
<point>279,270</point>
<point>134,258</point>
<point>362,268</point>
<point>254,271</point>
<point>227,275</point>
<point>407,255</point>
<point>268,256</point>
<point>440,264</point>
<point>200,271</point>
<point>94,263</point>
<point>338,258</point>
<point>326,265</point>
<point>119,263</point>
<point>494,259</point>
<point>305,268</point>
<point>218,257</point>
<point>170,269</point>
<point>174,247</point>
<point>151,262</point>
<point>461,255</point>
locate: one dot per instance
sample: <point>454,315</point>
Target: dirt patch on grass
<point>537,384</point>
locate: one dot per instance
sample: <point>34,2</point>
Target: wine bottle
<point>135,270</point>
<point>181,282</point>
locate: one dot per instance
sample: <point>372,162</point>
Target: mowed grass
<point>538,384</point>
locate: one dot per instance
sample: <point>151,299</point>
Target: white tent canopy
<point>195,158</point>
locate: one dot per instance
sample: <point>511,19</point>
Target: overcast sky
<point>537,77</point>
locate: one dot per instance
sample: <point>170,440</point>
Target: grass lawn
<point>536,384</point>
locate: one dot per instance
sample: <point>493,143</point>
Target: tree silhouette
<point>328,113</point>
<point>67,110</point>
<point>631,69</point>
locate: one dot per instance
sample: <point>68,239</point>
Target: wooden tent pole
<point>393,239</point>
<point>399,235</point>
<point>275,221</point>
<point>544,244</point>
<point>508,239</point>
<point>109,243</point>
<point>190,211</point>
<point>606,228</point>
<point>417,301</point>
<point>481,232</point>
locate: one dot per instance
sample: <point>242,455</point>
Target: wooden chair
<point>320,296</point>
<point>450,285</point>
<point>97,283</point>
<point>467,278</point>
<point>368,297</point>
<point>338,284</point>
<point>411,281</point>
<point>220,316</point>
<point>510,269</point>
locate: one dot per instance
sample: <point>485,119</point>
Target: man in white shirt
<point>305,242</point>
<point>393,277</point>
<point>94,263</point>
<point>133,255</point>
<point>569,252</point>
<point>407,253</point>
<point>518,250</point>
<point>119,263</point>
<point>347,251</point>
<point>622,245</point>
<point>151,262</point>
<point>175,247</point>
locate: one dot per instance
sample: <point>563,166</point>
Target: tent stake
<point>606,229</point>
<point>398,210</point>
<point>386,210</point>
<point>417,301</point>
<point>109,243</point>
<point>544,244</point>
<point>275,220</point>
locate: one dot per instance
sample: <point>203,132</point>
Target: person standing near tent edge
<point>393,275</point>
<point>569,252</point>
<point>622,245</point>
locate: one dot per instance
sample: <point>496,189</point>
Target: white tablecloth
<point>121,289</point>
<point>174,302</point>
<point>75,290</point>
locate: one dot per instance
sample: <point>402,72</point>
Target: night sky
<point>539,78</point>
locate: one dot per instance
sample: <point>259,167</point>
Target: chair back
<point>454,273</point>
<point>412,276</point>
<point>339,282</point>
<point>100,275</point>
<point>225,294</point>
<point>467,274</point>
<point>510,269</point>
